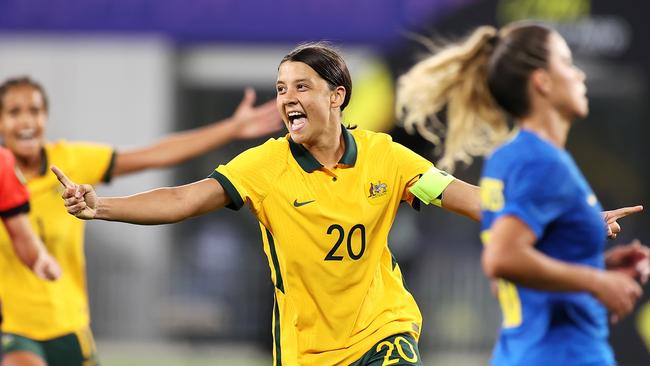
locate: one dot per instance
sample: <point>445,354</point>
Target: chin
<point>296,137</point>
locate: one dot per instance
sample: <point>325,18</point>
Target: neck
<point>329,147</point>
<point>549,125</point>
<point>30,166</point>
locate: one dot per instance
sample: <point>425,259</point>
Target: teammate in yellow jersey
<point>326,197</point>
<point>14,206</point>
<point>48,323</point>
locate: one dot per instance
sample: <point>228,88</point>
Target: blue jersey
<point>541,185</point>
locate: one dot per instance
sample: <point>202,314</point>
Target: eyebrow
<point>295,81</point>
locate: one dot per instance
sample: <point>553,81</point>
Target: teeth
<point>26,134</point>
<point>295,115</point>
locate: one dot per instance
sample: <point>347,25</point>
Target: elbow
<point>494,265</point>
<point>476,215</point>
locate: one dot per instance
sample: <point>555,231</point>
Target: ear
<point>541,82</point>
<point>337,97</point>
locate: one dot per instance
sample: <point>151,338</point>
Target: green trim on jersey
<point>236,202</point>
<point>350,155</point>
<point>309,163</point>
<point>108,176</point>
<point>306,161</point>
<point>276,264</point>
<point>276,335</point>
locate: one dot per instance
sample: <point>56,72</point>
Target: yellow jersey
<point>338,288</point>
<point>33,307</point>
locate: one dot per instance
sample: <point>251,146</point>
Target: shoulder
<point>268,159</point>
<point>374,143</point>
<point>524,150</point>
<point>70,149</point>
<point>370,137</point>
<point>60,152</point>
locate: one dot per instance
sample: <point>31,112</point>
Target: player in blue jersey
<point>541,223</point>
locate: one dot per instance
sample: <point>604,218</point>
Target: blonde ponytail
<point>455,77</point>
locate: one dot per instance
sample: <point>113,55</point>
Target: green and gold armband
<point>430,186</point>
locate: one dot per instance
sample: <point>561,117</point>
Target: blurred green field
<point>112,353</point>
<point>185,354</point>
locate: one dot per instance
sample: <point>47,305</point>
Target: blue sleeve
<point>538,193</point>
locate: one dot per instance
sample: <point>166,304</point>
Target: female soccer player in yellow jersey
<point>14,206</point>
<point>47,323</point>
<point>325,197</point>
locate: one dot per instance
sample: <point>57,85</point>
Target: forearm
<point>158,206</point>
<point>27,246</point>
<point>534,269</point>
<point>164,205</point>
<point>510,253</point>
<point>176,148</point>
<point>463,198</point>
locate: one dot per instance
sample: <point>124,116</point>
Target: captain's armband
<point>430,186</point>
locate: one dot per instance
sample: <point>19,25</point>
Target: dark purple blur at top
<point>378,22</point>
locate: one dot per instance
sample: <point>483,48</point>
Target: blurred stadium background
<point>128,71</point>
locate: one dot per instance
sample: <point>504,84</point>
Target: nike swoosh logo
<point>298,204</point>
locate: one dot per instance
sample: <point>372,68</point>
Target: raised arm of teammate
<point>247,122</point>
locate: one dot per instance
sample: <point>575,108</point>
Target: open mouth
<point>297,120</point>
<point>26,134</point>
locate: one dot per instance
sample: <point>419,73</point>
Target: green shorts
<point>74,349</point>
<point>398,350</point>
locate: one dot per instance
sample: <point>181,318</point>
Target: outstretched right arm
<point>158,206</point>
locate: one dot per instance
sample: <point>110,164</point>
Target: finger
<point>77,208</point>
<point>636,243</point>
<point>643,270</point>
<point>635,292</point>
<point>614,215</point>
<point>68,192</point>
<point>82,190</point>
<point>249,97</point>
<point>71,201</point>
<point>65,181</point>
<point>614,228</point>
<point>53,271</point>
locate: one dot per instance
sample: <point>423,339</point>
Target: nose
<point>25,119</point>
<point>289,97</point>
